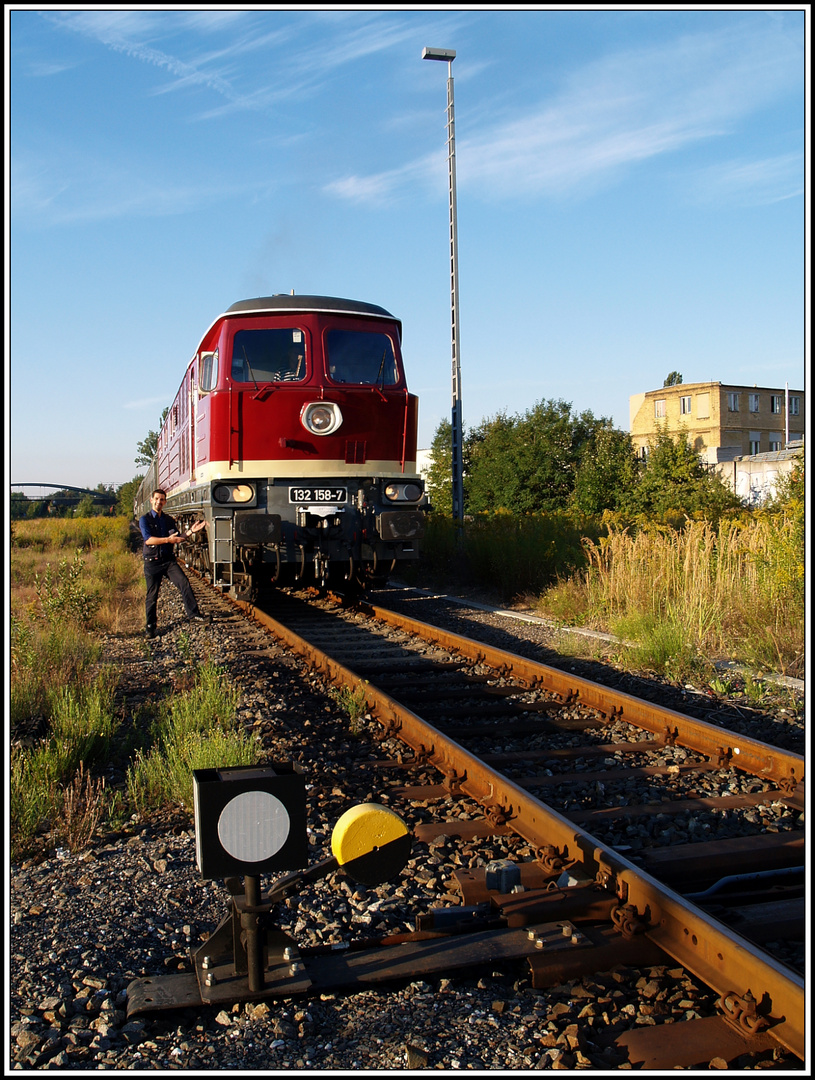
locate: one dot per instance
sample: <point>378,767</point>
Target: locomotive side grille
<point>355,452</point>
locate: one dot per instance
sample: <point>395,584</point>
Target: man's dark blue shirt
<point>153,524</point>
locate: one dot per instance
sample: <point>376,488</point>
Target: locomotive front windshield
<point>277,355</point>
<point>357,356</point>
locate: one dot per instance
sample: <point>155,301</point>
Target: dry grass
<point>83,806</point>
<point>735,591</point>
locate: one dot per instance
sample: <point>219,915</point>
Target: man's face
<point>157,501</point>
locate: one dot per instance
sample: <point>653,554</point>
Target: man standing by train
<point>161,534</point>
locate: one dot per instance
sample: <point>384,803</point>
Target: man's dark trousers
<point>176,575</point>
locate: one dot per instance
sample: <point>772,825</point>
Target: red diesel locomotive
<point>293,436</point>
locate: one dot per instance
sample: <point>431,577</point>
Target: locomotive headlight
<point>233,493</point>
<point>403,492</point>
<point>321,417</point>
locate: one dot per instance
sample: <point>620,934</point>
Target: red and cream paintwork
<point>293,435</point>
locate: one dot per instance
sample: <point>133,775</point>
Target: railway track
<point>598,783</point>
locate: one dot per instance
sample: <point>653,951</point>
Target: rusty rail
<point>726,747</point>
<point>741,973</point>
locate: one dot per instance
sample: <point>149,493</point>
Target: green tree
<point>87,507</point>
<point>676,479</point>
<point>607,472</point>
<point>18,506</point>
<point>146,449</point>
<point>126,494</point>
<point>673,378</point>
<point>37,508</point>
<point>440,473</point>
<point>528,463</point>
<point>790,487</point>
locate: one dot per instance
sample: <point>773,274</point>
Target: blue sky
<point>630,202</point>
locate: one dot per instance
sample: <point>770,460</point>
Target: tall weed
<point>33,798</point>
<point>45,658</point>
<point>83,727</point>
<point>513,554</point>
<point>85,534</point>
<point>735,590</point>
<point>63,595</point>
<point>195,729</point>
<point>84,719</point>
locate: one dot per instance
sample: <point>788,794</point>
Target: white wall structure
<point>753,477</point>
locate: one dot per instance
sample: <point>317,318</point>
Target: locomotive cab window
<point>362,358</point>
<point>277,355</point>
<point>208,371</point>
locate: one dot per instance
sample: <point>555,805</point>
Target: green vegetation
<point>657,552</point>
<point>352,702</point>
<point>63,699</point>
<point>196,729</point>
<point>146,449</point>
<point>675,480</point>
<point>699,592</point>
<point>551,461</point>
<point>48,780</point>
<point>510,554</point>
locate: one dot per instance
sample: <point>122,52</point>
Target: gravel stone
<point>83,926</point>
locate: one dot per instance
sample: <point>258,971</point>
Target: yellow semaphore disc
<point>372,842</point>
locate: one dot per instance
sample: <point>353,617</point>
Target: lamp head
<point>438,54</point>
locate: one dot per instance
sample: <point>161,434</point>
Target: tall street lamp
<point>449,56</point>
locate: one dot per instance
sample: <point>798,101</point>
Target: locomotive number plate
<point>317,495</point>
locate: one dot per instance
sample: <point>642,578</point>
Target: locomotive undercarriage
<point>350,547</point>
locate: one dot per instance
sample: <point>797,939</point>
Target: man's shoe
<point>150,632</point>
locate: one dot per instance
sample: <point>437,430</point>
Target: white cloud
<point>68,187</point>
<point>615,112</point>
<point>752,183</point>
<point>380,188</point>
<point>297,70</point>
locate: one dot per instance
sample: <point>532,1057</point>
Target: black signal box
<point>249,820</point>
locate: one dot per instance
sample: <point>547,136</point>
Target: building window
<point>684,406</point>
<point>776,403</point>
<point>775,442</point>
<point>755,402</point>
<point>732,402</point>
<point>795,406</point>
<point>755,442</point>
<point>659,408</point>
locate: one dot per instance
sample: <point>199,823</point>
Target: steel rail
<point>724,747</point>
<point>733,967</point>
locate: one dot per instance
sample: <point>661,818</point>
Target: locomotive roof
<point>286,302</point>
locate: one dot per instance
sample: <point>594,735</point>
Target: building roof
<point>772,455</point>
<point>679,387</point>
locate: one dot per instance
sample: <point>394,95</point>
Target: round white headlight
<point>321,417</point>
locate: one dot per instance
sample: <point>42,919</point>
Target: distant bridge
<point>104,497</point>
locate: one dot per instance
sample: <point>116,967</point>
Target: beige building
<point>722,422</point>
